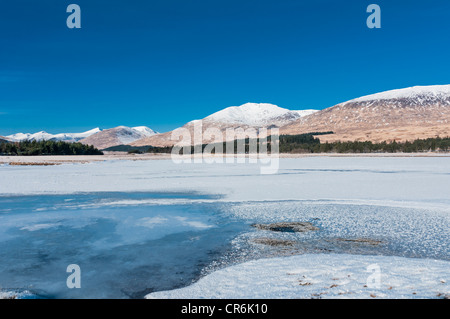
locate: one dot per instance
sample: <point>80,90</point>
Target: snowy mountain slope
<point>146,131</point>
<point>256,114</point>
<point>248,115</point>
<point>404,114</point>
<point>97,137</point>
<point>40,136</point>
<point>418,95</point>
<point>118,136</point>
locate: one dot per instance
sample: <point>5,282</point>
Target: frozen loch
<point>376,227</point>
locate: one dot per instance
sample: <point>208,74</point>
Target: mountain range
<point>249,115</point>
<point>96,137</point>
<point>400,115</point>
<point>40,136</point>
<point>396,115</point>
<point>120,135</point>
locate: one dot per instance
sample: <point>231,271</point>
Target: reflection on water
<point>126,244</point>
<point>130,244</point>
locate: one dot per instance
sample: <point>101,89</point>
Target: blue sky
<point>163,63</point>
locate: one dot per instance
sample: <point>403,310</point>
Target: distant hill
<point>117,136</point>
<point>3,140</point>
<point>44,136</point>
<point>36,148</point>
<point>406,114</point>
<point>249,115</point>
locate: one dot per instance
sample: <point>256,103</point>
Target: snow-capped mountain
<point>416,95</point>
<point>256,114</point>
<point>40,136</point>
<point>403,114</point>
<point>96,137</point>
<point>120,135</point>
<point>144,130</point>
<point>249,115</point>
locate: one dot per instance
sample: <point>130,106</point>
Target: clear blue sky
<point>163,63</point>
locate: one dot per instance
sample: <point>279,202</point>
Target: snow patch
<point>256,114</point>
<point>41,136</point>
<point>419,93</point>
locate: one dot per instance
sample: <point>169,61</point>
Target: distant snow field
<point>416,92</point>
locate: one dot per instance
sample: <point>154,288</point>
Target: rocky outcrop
<point>289,227</point>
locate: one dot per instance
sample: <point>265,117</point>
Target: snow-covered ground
<point>409,181</point>
<point>322,276</point>
<point>387,211</point>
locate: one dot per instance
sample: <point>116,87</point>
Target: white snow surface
<point>146,131</point>
<point>322,276</point>
<point>40,136</point>
<point>128,135</point>
<point>405,180</point>
<point>255,114</point>
<point>415,92</point>
<point>23,294</point>
<point>402,200</point>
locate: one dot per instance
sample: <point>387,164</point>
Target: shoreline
<point>45,160</point>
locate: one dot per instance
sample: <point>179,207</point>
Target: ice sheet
<point>98,214</point>
<point>419,180</point>
<point>322,276</point>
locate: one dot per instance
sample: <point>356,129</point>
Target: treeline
<point>47,148</point>
<point>242,146</point>
<point>138,149</point>
<point>420,145</point>
<point>308,143</point>
<point>151,149</point>
<point>302,143</point>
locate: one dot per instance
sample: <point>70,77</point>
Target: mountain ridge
<point>120,135</point>
<point>42,135</point>
<point>245,116</point>
<point>395,115</point>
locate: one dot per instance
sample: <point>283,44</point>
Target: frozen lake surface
<point>149,227</point>
<point>126,244</point>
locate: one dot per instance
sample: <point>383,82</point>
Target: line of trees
<point>304,143</point>
<point>47,148</point>
<point>308,143</point>
<point>420,145</point>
